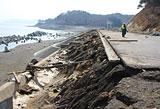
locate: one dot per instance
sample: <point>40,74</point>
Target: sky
<point>43,9</point>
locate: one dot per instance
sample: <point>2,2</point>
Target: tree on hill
<point>148,2</point>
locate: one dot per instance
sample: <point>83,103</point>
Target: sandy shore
<point>18,58</point>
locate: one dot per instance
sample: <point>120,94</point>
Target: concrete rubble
<point>85,79</point>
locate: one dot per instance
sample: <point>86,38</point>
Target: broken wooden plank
<point>47,67</point>
<point>122,40</point>
<point>31,66</point>
<point>72,62</point>
<point>15,76</point>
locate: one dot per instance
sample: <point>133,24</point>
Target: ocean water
<point>22,28</point>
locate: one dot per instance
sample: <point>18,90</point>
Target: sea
<point>22,27</point>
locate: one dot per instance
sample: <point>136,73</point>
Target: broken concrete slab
<point>112,56</point>
<point>150,75</point>
<point>46,51</point>
<point>115,104</point>
<point>8,90</point>
<point>7,104</point>
<point>138,92</point>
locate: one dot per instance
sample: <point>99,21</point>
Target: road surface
<point>136,50</point>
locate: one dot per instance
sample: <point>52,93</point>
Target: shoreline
<point>67,28</point>
<point>13,41</point>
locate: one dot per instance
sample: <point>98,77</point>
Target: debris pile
<point>87,80</point>
<point>94,83</point>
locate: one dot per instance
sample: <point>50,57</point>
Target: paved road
<point>145,53</point>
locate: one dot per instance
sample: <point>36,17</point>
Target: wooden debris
<point>70,63</point>
<point>46,67</point>
<point>15,76</point>
<point>47,101</point>
<point>26,89</point>
<point>128,40</point>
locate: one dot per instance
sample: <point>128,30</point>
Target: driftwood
<point>79,55</point>
<point>46,67</point>
<point>70,63</point>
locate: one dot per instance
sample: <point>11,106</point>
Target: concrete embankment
<point>49,50</point>
<point>86,75</point>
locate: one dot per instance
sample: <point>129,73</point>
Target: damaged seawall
<point>95,81</point>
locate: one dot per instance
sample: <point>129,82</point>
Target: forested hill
<point>82,18</point>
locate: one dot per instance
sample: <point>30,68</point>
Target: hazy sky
<point>43,9</point>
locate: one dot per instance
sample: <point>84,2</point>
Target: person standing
<point>124,30</point>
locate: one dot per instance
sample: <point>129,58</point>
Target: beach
<point>18,58</point>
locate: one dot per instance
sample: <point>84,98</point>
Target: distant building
<point>109,24</point>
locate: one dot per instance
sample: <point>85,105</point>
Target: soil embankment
<point>90,81</point>
<point>147,20</point>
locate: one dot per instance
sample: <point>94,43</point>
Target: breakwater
<point>12,41</point>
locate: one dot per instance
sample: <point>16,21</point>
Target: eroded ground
<point>84,79</point>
